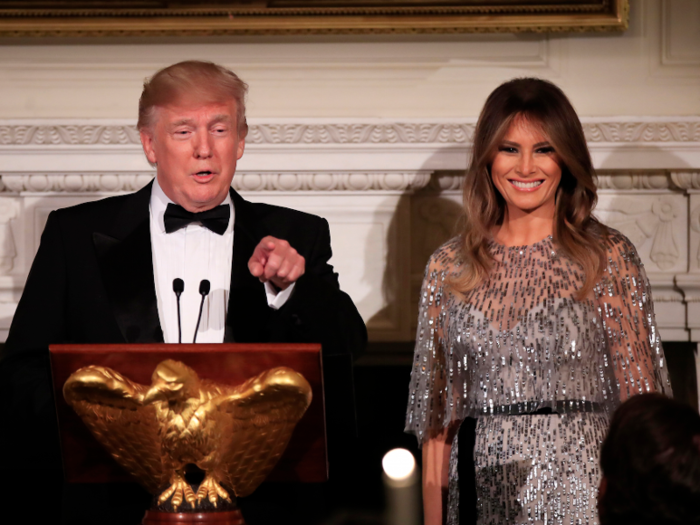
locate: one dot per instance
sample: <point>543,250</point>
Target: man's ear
<point>147,144</point>
<point>240,149</point>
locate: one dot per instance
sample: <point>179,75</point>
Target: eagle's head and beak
<point>171,381</point>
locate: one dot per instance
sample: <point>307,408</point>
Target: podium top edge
<point>166,348</point>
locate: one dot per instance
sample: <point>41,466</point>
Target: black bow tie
<point>216,219</point>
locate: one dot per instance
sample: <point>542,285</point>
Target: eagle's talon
<point>190,495</point>
<point>211,490</point>
<point>178,489</point>
<point>165,495</point>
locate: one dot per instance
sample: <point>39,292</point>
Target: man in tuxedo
<point>104,271</point>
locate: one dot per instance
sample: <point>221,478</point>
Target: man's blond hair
<point>193,80</point>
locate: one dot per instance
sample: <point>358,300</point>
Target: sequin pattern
<point>520,342</point>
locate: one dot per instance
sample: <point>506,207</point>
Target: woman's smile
<point>526,185</point>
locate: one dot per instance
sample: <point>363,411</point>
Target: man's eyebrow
<point>220,118</point>
<point>181,122</point>
<point>214,120</point>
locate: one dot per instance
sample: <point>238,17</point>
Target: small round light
<point>398,464</point>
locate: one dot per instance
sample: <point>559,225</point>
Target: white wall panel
<point>653,68</point>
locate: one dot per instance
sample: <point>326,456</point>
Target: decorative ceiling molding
<point>630,132</point>
<point>68,135</point>
<point>642,132</point>
<point>389,133</point>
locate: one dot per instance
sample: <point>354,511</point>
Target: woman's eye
<point>507,149</point>
<point>546,150</point>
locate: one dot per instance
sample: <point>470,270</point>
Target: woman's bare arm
<point>436,468</point>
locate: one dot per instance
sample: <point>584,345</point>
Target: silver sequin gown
<point>520,342</point>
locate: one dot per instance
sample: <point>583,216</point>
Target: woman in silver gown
<point>537,320</point>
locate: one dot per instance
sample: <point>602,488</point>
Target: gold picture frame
<point>59,18</point>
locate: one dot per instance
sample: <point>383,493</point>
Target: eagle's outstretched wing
<point>260,416</point>
<point>111,407</point>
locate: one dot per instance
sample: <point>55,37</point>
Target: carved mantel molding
<point>619,180</point>
<point>674,180</point>
<point>245,181</point>
<point>13,182</point>
<point>623,131</point>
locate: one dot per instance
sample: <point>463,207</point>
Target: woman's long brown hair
<point>576,232</point>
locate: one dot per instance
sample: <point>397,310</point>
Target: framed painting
<point>42,18</point>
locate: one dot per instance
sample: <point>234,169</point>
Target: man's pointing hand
<point>274,260</point>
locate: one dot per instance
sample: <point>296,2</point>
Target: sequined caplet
<point>520,341</point>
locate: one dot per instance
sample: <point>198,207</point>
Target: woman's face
<point>526,171</point>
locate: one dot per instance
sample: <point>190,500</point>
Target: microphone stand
<point>204,288</point>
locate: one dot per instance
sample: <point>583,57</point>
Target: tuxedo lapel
<point>126,264</point>
<point>247,307</point>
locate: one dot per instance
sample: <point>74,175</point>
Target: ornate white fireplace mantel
<point>390,191</point>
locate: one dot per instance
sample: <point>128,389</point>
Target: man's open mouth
<point>204,173</point>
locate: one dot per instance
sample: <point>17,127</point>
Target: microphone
<point>178,288</point>
<point>204,288</point>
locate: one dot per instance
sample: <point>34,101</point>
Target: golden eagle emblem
<point>235,435</point>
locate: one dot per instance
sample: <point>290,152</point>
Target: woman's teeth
<point>526,185</point>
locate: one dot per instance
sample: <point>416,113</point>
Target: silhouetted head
<point>651,464</point>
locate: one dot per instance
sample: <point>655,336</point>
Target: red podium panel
<point>85,461</point>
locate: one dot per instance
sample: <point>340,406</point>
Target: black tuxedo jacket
<point>92,282</point>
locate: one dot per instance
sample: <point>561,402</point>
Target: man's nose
<point>203,146</point>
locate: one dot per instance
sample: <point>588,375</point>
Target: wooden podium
<point>85,461</point>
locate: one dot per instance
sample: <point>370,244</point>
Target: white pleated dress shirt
<point>192,254</point>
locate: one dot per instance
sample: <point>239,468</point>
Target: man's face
<point>195,148</point>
